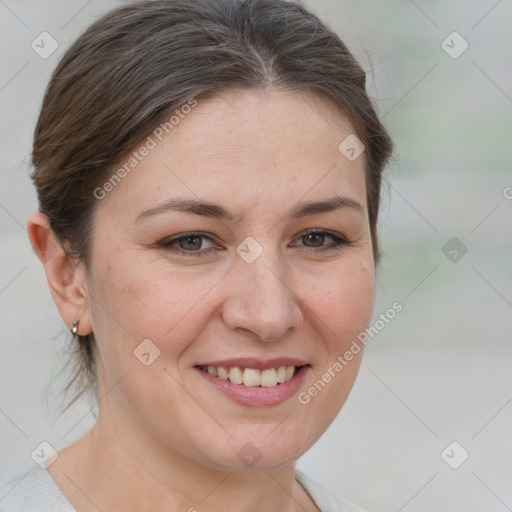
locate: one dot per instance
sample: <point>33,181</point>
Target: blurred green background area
<point>437,373</point>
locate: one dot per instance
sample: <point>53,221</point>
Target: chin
<point>250,451</point>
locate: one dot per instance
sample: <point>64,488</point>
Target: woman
<point>208,175</point>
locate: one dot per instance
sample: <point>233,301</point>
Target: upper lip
<point>257,364</point>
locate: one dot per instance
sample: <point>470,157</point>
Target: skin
<point>165,439</point>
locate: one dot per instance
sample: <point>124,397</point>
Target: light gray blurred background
<point>441,370</point>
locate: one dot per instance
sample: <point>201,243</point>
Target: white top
<point>35,491</point>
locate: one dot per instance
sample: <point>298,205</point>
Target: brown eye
<point>319,240</point>
<point>313,239</point>
<point>190,243</point>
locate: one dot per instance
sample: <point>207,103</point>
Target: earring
<point>74,329</point>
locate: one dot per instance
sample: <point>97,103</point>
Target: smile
<point>254,382</point>
<point>252,377</point>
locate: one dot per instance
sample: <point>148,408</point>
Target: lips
<point>255,382</point>
<point>253,362</point>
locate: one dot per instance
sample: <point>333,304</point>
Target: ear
<point>66,278</point>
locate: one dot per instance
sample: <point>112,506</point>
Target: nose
<point>260,300</point>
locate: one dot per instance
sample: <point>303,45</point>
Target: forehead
<point>276,125</point>
<point>247,147</point>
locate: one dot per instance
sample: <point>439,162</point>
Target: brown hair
<point>133,67</point>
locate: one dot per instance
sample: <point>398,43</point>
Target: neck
<point>114,468</point>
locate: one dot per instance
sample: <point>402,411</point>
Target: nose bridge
<point>260,299</point>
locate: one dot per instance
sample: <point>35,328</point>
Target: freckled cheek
<point>150,303</point>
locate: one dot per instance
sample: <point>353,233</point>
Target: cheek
<point>138,296</point>
<point>140,317</point>
<point>136,299</point>
<point>343,299</point>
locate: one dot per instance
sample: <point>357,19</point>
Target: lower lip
<point>257,396</point>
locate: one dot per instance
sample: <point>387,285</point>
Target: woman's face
<point>202,258</point>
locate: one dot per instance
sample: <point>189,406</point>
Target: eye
<point>199,244</point>
<point>316,239</point>
<point>190,244</point>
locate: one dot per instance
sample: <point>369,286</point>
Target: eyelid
<point>339,242</point>
<point>339,238</point>
<point>167,243</point>
<point>321,231</point>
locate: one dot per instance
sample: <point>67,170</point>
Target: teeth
<point>223,373</point>
<point>252,377</point>
<point>268,378</point>
<point>236,375</point>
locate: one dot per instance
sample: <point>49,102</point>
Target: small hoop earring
<point>74,329</point>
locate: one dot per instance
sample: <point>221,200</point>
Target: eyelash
<point>339,243</point>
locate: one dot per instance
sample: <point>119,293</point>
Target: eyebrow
<point>216,211</point>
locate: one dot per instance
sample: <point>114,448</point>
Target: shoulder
<point>35,491</point>
<point>32,491</point>
<point>325,500</point>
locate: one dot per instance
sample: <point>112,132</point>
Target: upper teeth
<point>251,376</point>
